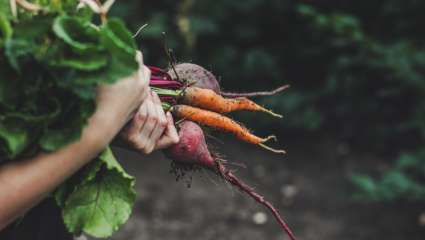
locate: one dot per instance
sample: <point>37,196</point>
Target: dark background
<point>354,118</point>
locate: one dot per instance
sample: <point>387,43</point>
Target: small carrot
<point>209,100</point>
<point>220,122</point>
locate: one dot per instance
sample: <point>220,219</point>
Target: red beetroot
<point>197,75</point>
<point>202,78</point>
<point>192,149</point>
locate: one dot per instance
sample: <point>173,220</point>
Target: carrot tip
<point>279,151</point>
<point>272,113</point>
<point>270,138</point>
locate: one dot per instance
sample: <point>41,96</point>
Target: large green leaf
<point>118,39</point>
<point>81,35</point>
<point>97,57</point>
<point>115,70</point>
<point>101,203</point>
<point>83,62</point>
<point>85,175</point>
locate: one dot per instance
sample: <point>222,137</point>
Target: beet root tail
<point>232,179</point>
<point>255,94</point>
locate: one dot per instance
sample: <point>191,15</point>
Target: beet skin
<point>196,74</point>
<point>192,148</point>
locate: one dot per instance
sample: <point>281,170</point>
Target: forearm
<point>26,182</point>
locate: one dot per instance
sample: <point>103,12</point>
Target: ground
<point>309,186</point>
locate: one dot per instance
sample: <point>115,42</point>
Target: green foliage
<point>51,64</point>
<point>5,10</point>
<point>102,201</point>
<point>405,180</point>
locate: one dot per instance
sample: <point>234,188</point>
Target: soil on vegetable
<point>309,186</point>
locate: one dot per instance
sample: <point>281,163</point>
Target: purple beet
<point>192,149</point>
<point>199,76</point>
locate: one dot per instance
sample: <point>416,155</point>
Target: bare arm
<point>24,183</point>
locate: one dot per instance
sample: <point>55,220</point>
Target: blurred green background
<point>356,70</point>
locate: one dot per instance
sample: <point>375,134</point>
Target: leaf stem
<point>167,92</point>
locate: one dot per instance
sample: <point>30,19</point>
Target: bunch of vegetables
<point>53,55</point>
<point>192,94</point>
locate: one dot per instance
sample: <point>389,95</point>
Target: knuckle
<point>141,116</point>
<point>163,123</point>
<point>133,138</point>
<point>154,119</point>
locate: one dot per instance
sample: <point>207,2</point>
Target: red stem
<point>231,178</point>
<point>168,99</point>
<point>255,94</point>
<point>165,84</point>
<point>155,70</point>
<point>161,79</point>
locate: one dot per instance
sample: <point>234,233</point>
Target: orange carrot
<point>209,100</point>
<point>220,122</point>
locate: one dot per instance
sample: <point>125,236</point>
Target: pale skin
<point>26,182</point>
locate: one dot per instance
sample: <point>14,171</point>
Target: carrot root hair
<point>279,151</point>
<point>271,137</point>
<point>271,113</point>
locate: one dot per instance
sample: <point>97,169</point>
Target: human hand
<point>151,129</point>
<point>117,103</point>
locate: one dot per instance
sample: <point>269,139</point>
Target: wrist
<point>101,129</point>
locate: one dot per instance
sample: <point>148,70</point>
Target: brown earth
<point>308,185</point>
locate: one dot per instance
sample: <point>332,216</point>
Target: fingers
<point>161,123</point>
<point>131,132</point>
<point>170,136</point>
<point>148,127</point>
